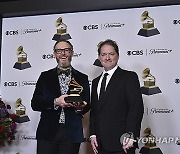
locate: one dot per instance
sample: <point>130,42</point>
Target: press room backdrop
<point>159,52</point>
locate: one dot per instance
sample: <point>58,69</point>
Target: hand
<point>61,102</point>
<point>79,105</point>
<point>127,143</point>
<point>94,144</point>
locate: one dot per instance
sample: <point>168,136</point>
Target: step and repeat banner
<point>148,39</point>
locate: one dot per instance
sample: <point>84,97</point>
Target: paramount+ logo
<point>91,27</point>
<point>12,32</point>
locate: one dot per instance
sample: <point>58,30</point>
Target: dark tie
<point>66,72</point>
<point>103,85</point>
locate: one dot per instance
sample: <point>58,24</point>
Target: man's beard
<point>65,64</point>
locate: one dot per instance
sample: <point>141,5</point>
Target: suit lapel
<point>55,81</point>
<point>96,81</point>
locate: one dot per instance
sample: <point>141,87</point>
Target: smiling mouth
<point>64,58</point>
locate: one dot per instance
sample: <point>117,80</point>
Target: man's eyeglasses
<point>62,51</point>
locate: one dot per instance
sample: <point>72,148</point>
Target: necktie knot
<point>105,75</point>
<point>66,72</point>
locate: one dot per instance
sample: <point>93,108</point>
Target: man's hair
<point>71,46</point>
<point>108,42</point>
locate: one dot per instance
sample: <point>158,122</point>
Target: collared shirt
<point>110,73</point>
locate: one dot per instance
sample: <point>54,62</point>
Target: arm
<point>42,99</point>
<point>135,105</point>
<point>85,95</point>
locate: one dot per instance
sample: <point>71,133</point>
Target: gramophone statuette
<point>149,80</point>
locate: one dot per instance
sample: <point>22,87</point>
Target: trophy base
<point>21,66</point>
<point>57,37</point>
<point>155,150</point>
<point>150,91</point>
<point>72,99</point>
<point>147,33</point>
<point>22,119</point>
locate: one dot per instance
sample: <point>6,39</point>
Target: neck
<point>64,68</point>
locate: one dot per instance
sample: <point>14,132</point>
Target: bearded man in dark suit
<point>60,129</point>
<point>116,111</point>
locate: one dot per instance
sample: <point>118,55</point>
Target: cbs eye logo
<point>90,27</point>
<point>48,56</point>
<point>177,81</point>
<point>134,52</point>
<point>175,22</point>
<point>12,32</point>
<point>11,84</point>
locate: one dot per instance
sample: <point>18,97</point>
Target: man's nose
<point>107,57</point>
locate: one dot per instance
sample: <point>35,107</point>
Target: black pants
<point>47,147</point>
<point>59,145</point>
<point>101,150</point>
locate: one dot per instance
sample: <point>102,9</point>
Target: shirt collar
<point>110,72</point>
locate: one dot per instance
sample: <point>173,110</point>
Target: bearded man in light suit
<point>119,110</point>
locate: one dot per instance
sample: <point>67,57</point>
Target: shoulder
<point>49,72</point>
<point>127,74</point>
<point>78,73</point>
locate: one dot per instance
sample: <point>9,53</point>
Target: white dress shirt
<point>110,73</point>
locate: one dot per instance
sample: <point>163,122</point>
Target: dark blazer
<point>47,89</point>
<point>119,111</point>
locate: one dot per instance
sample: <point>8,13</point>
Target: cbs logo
<point>176,22</point>
<point>12,32</point>
<point>48,56</point>
<point>135,52</point>
<point>90,27</point>
<point>11,84</point>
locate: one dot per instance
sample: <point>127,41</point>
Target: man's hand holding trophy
<point>73,99</point>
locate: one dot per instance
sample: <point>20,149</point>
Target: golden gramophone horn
<point>18,102</point>
<point>145,73</point>
<point>147,131</point>
<point>19,50</point>
<point>144,15</point>
<point>58,21</point>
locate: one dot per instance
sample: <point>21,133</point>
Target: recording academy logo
<point>159,111</point>
<point>148,52</point>
<point>149,80</point>
<point>61,30</point>
<point>148,28</point>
